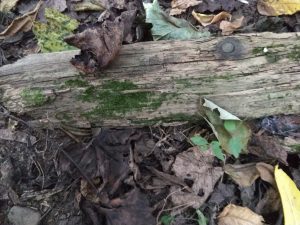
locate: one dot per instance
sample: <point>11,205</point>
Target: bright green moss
<point>51,35</point>
<point>115,98</point>
<point>33,97</point>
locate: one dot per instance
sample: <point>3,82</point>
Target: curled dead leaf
<point>228,27</point>
<point>101,44</point>
<point>207,19</point>
<point>269,203</point>
<point>246,174</point>
<point>237,215</point>
<point>180,6</point>
<point>266,172</point>
<point>23,23</point>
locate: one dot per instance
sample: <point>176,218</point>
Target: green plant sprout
<point>204,145</point>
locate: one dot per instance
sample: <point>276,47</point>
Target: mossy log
<point>254,75</point>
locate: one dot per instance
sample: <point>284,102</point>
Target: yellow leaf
<point>278,7</point>
<point>207,19</point>
<point>290,197</point>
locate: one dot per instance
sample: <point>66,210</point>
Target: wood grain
<point>263,79</point>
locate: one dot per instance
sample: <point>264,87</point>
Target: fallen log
<point>250,75</point>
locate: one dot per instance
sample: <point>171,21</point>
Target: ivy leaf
<point>217,151</point>
<point>201,142</point>
<point>166,27</point>
<point>202,220</point>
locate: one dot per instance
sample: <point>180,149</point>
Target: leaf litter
<point>153,175</point>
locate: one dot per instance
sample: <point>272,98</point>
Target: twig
<point>81,171</point>
<point>165,202</point>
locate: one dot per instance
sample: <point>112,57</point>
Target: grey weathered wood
<point>250,86</point>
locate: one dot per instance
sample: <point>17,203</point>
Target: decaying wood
<point>167,77</point>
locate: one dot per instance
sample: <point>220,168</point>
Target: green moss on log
<point>33,97</point>
<point>295,53</point>
<point>273,53</point>
<point>116,98</point>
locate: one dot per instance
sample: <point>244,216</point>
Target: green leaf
<point>217,151</point>
<point>235,146</point>
<point>202,220</point>
<point>166,219</point>
<point>201,142</point>
<point>230,125</point>
<point>165,27</point>
<point>232,133</point>
<point>51,35</point>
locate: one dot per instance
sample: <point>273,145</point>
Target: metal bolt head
<point>228,47</point>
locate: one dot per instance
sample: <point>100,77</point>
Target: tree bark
<point>254,75</point>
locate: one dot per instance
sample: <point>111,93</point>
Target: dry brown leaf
<point>23,23</point>
<point>269,203</point>
<point>197,167</point>
<point>7,5</point>
<point>207,19</point>
<point>269,147</point>
<point>237,215</point>
<point>266,172</point>
<point>244,175</point>
<point>278,7</point>
<point>88,192</point>
<point>229,27</point>
<point>100,44</point>
<point>180,6</point>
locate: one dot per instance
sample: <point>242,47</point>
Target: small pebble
<point>23,216</point>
